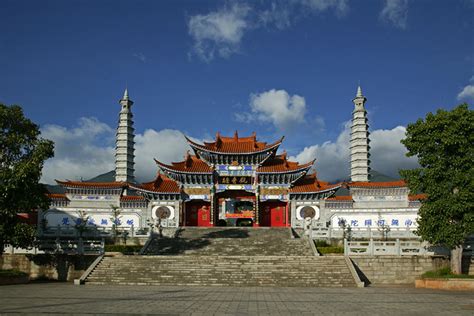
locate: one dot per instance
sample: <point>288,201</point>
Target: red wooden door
<point>204,216</point>
<point>277,215</point>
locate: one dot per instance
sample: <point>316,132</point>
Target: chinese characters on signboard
<point>235,180</point>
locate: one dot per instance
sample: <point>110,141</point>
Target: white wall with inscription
<point>105,220</point>
<point>375,219</point>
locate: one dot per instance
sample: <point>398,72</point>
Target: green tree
<point>444,145</point>
<point>116,220</point>
<point>23,153</point>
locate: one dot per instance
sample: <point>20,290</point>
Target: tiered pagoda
<point>236,181</point>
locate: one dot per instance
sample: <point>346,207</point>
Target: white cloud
<point>166,145</point>
<point>276,107</point>
<point>79,151</point>
<point>88,149</point>
<point>467,93</point>
<point>278,15</point>
<point>340,6</point>
<point>388,155</point>
<point>280,110</point>
<point>333,158</point>
<point>219,32</point>
<point>140,56</point>
<point>395,12</point>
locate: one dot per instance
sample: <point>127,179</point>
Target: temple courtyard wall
<point>388,270</point>
<point>50,267</point>
<point>373,270</point>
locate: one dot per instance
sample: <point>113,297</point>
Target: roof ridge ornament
<point>188,160</point>
<point>218,142</point>
<point>254,139</point>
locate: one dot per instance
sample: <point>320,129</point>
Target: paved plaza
<point>65,298</point>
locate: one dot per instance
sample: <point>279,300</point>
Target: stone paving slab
<point>65,298</point>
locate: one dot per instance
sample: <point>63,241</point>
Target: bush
<point>12,273</point>
<point>123,248</point>
<point>326,250</point>
<point>444,273</point>
<point>321,243</point>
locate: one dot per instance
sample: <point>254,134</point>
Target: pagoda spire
<point>124,149</point>
<point>360,162</point>
<point>125,94</point>
<point>359,92</point>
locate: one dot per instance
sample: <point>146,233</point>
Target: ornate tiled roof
<point>162,184</point>
<point>280,164</point>
<point>310,184</point>
<point>102,185</point>
<point>235,145</point>
<point>191,164</point>
<point>388,184</point>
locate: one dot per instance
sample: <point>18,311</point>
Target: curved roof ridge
<point>288,166</point>
<point>234,146</point>
<point>161,184</point>
<point>189,165</point>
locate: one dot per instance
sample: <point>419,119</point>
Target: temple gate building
<point>236,181</point>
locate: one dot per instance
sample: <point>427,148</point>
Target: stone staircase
<point>191,270</point>
<point>220,241</point>
<point>223,257</point>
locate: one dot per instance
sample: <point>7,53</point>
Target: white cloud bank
<point>333,158</point>
<point>78,150</point>
<point>87,150</point>
<point>395,12</point>
<point>166,145</point>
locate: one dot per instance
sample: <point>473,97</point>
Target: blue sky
<point>275,67</point>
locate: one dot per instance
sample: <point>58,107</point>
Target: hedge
<point>12,273</point>
<point>123,248</point>
<point>326,250</point>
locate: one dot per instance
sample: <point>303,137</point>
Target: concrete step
<point>230,241</point>
<point>222,270</point>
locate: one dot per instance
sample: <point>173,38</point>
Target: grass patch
<point>321,243</point>
<point>123,248</point>
<point>444,273</point>
<point>12,273</point>
<point>327,250</point>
